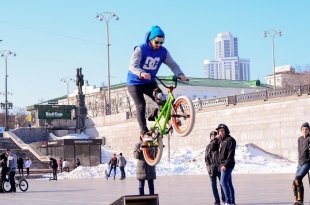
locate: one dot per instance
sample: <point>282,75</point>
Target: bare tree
<point>102,103</point>
<point>297,80</point>
<point>16,118</point>
<point>93,105</point>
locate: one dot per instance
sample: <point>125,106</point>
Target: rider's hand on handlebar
<point>183,78</point>
<point>145,76</point>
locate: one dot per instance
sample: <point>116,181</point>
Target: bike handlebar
<point>171,78</point>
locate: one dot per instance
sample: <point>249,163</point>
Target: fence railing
<point>256,96</point>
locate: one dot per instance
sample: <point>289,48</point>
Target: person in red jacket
<point>113,165</point>
<point>60,164</point>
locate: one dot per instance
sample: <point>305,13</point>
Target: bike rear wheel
<point>183,116</point>
<point>23,185</point>
<point>153,150</point>
<point>6,186</point>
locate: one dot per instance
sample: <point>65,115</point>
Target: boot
<point>298,190</point>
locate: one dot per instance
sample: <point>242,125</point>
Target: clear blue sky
<point>53,38</point>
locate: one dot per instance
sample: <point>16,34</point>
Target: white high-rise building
<point>227,64</point>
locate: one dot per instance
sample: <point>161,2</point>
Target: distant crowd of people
<point>61,165</point>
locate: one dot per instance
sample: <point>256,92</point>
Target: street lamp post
<point>67,80</point>
<point>273,33</point>
<point>107,16</point>
<point>5,54</point>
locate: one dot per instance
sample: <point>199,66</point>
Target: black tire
<point>6,186</point>
<point>183,116</point>
<point>153,150</point>
<point>23,185</point>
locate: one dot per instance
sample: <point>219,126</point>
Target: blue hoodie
<point>150,62</point>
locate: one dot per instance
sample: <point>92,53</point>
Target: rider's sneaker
<point>298,203</point>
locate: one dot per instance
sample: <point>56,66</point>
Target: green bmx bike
<point>177,115</point>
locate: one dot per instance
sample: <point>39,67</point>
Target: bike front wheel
<point>23,185</point>
<point>183,116</point>
<point>6,186</point>
<point>153,150</point>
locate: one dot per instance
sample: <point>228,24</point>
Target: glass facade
<point>227,65</point>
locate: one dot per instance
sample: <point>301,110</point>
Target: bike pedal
<point>169,130</point>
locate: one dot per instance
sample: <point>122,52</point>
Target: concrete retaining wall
<point>272,125</point>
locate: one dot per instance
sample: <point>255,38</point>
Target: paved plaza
<point>255,189</point>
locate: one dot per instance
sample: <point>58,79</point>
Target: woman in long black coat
<point>144,171</point>
<point>3,168</point>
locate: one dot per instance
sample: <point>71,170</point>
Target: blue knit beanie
<point>155,32</point>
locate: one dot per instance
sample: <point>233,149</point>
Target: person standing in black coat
<point>20,166</point>
<point>213,166</point>
<point>227,162</point>
<point>144,171</point>
<point>3,168</point>
<point>54,166</point>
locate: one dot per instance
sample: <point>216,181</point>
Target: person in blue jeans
<point>227,162</point>
<point>113,165</point>
<point>212,162</point>
<point>303,163</point>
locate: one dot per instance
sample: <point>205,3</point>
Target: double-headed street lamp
<point>5,54</point>
<point>67,80</point>
<point>107,16</point>
<point>273,33</point>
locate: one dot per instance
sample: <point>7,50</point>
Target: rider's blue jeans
<point>137,93</point>
<point>228,188</point>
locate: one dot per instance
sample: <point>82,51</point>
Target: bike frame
<point>166,122</point>
<point>166,110</point>
<point>166,113</point>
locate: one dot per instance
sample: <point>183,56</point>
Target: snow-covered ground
<point>249,159</point>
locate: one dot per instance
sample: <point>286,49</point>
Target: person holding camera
<point>213,164</point>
